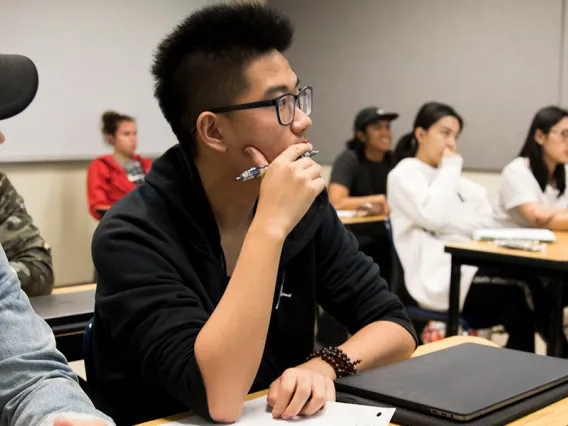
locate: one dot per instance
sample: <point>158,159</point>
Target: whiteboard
<point>91,56</point>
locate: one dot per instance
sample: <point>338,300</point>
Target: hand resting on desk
<point>302,390</point>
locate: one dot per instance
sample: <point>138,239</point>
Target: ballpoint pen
<point>259,171</point>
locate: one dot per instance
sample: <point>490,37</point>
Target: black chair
<point>88,356</point>
<point>419,316</point>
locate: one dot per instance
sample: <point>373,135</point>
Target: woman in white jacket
<point>431,204</point>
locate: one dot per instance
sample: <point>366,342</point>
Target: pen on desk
<point>258,172</point>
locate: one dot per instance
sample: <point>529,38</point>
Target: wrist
<point>338,360</point>
<point>269,229</point>
<point>321,367</point>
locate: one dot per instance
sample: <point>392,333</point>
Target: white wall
<point>91,56</point>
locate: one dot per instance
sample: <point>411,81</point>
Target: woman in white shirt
<point>533,185</point>
<point>533,191</point>
<point>431,204</point>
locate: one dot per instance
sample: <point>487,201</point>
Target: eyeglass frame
<point>268,103</point>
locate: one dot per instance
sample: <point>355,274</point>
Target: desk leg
<point>454,311</point>
<point>556,318</point>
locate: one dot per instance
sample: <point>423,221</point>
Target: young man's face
<point>269,76</point>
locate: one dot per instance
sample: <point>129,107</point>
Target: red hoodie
<point>107,182</point>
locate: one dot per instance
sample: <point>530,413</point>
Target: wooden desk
<point>65,313</point>
<point>551,262</point>
<point>553,415</point>
<point>74,288</point>
<point>362,219</point>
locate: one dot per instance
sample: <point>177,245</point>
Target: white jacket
<point>430,207</point>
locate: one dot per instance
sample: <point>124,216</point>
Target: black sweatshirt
<point>161,274</point>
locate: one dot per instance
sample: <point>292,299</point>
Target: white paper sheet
<point>258,413</point>
<point>347,213</point>
<point>531,234</point>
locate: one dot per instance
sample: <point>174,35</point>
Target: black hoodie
<point>161,274</point>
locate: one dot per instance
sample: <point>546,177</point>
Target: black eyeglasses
<point>285,105</point>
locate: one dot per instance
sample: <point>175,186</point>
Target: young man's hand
<point>302,390</point>
<point>288,188</point>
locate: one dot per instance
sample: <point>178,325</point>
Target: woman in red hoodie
<point>111,177</point>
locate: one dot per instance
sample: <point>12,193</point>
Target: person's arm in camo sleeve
<point>26,250</point>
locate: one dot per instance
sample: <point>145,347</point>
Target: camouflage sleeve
<point>26,250</point>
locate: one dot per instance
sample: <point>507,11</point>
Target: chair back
<point>89,357</point>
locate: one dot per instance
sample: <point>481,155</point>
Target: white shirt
<point>430,207</point>
<point>518,187</point>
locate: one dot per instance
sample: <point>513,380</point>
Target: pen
<point>258,172</point>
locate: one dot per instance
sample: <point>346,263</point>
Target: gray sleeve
<point>37,384</point>
<point>344,169</point>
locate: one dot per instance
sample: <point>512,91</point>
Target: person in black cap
<point>359,174</point>
<point>358,182</point>
<point>37,387</point>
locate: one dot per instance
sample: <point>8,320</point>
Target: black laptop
<point>461,383</point>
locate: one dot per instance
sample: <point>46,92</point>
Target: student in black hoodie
<point>208,287</point>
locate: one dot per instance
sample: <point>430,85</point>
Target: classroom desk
<point>74,288</point>
<point>362,219</point>
<point>553,415</point>
<point>65,313</point>
<point>552,262</point>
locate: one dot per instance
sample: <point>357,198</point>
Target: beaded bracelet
<point>339,361</point>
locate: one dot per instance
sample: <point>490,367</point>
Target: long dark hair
<point>544,120</point>
<point>428,115</point>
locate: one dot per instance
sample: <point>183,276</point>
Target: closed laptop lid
<point>467,380</point>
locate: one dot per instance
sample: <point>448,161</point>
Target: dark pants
<point>488,305</point>
<point>542,307</point>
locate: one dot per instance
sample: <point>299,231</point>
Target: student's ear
<point>207,128</point>
<point>539,137</point>
<point>360,135</point>
<point>419,134</point>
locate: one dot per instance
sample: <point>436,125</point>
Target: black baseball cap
<point>18,84</point>
<point>371,114</point>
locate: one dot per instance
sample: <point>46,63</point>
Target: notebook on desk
<point>461,383</point>
<point>525,234</point>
